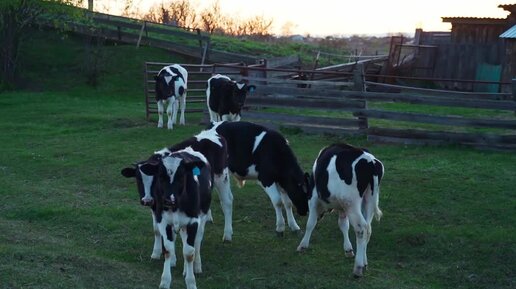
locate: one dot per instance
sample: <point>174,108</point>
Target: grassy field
<point>68,219</point>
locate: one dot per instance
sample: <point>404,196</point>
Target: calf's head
<point>297,187</point>
<point>175,174</point>
<point>144,178</point>
<point>165,84</point>
<point>239,92</point>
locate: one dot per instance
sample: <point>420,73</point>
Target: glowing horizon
<point>338,18</point>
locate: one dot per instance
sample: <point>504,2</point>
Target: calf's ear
<point>150,168</point>
<point>128,172</point>
<point>156,77</point>
<point>194,165</point>
<point>308,182</point>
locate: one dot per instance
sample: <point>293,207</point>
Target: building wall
<point>482,34</point>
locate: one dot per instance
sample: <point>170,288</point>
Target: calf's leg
<point>188,236</point>
<point>287,204</point>
<point>160,113</point>
<point>310,223</point>
<point>344,227</point>
<point>275,196</point>
<point>222,183</point>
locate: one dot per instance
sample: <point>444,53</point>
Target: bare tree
<point>183,14</point>
<point>212,18</point>
<point>258,26</point>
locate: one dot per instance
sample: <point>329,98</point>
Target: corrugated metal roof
<point>511,33</point>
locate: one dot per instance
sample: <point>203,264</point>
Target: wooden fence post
<point>141,34</point>
<point>514,91</point>
<point>359,85</point>
<point>146,88</point>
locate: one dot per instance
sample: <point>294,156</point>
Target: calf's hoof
<point>350,254</point>
<point>280,234</point>
<point>226,240</point>
<point>358,272</point>
<point>301,248</point>
<point>298,232</point>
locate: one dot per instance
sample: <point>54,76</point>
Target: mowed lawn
<point>68,219</point>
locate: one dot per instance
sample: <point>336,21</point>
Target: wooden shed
<point>509,68</point>
<point>473,50</point>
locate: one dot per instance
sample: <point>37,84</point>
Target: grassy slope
<point>69,219</point>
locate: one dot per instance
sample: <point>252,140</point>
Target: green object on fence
<point>488,72</point>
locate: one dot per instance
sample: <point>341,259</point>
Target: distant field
<point>68,219</point>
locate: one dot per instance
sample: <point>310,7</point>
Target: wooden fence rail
<point>327,106</point>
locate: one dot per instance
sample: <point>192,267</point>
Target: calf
<point>182,194</point>
<point>256,152</point>
<point>346,179</point>
<point>226,97</point>
<point>170,87</point>
<point>214,148</point>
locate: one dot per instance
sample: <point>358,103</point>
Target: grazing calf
<point>182,194</point>
<point>226,97</point>
<point>214,148</point>
<point>256,152</point>
<point>346,179</point>
<point>171,82</point>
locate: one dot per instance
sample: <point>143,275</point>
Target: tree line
<point>212,19</point>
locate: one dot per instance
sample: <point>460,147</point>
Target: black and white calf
<point>181,191</point>
<point>226,97</point>
<point>214,148</point>
<point>346,179</point>
<point>256,152</point>
<point>171,85</point>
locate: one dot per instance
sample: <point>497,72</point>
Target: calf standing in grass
<point>226,97</point>
<point>256,152</point>
<point>346,179</point>
<point>171,87</point>
<point>214,148</point>
<point>182,194</point>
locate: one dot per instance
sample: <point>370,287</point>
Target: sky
<point>343,17</point>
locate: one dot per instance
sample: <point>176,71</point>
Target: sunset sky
<point>341,17</point>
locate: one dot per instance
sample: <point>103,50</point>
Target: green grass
<point>68,219</point>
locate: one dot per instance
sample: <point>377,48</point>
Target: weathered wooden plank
<point>301,119</point>
<point>328,104</point>
<point>307,128</point>
<point>409,141</point>
<point>442,135</point>
<point>264,90</point>
<point>136,25</point>
<point>275,80</point>
<point>434,119</point>
<point>446,93</point>
<point>439,101</point>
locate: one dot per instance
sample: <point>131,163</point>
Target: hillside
<point>52,61</point>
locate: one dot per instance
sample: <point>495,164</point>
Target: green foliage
<point>16,17</point>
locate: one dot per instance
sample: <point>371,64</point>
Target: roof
<point>475,20</point>
<point>508,7</point>
<point>511,33</point>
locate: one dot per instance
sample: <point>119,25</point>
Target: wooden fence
<point>410,116</point>
<point>181,40</point>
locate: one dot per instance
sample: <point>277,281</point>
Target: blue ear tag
<point>251,89</point>
<point>196,171</point>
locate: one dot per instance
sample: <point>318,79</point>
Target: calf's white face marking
<point>147,182</point>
